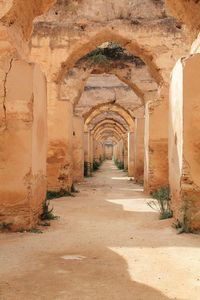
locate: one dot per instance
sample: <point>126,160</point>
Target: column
<point>156,145</point>
<point>60,143</point>
<point>23,140</point>
<point>184,142</point>
<point>131,154</point>
<point>139,150</point>
<point>78,149</point>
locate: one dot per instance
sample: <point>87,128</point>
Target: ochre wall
<point>78,149</point>
<point>23,146</point>
<point>139,150</point>
<point>60,142</point>
<point>184,147</point>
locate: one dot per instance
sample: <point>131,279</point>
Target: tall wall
<point>156,145</point>
<point>23,146</point>
<point>139,150</point>
<point>184,146</point>
<point>60,143</point>
<point>78,149</point>
<point>131,161</point>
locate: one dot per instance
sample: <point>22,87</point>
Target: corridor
<point>106,245</point>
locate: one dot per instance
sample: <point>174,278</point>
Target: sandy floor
<point>107,244</point>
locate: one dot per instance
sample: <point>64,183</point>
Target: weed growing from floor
<point>5,226</point>
<point>96,165</point>
<point>119,164</point>
<point>47,213</point>
<point>162,203</point>
<point>184,225</point>
<point>34,230</point>
<point>74,189</point>
<point>62,193</point>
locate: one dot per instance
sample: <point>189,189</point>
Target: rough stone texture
<point>60,143</point>
<point>23,145</point>
<point>184,141</point>
<point>139,150</point>
<point>156,146</point>
<point>61,40</point>
<point>69,31</point>
<point>188,12</point>
<point>78,149</point>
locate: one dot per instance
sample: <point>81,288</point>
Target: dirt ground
<point>107,244</point>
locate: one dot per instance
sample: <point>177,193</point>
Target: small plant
<point>96,165</point>
<point>98,58</point>
<point>47,214</point>
<point>119,164</point>
<point>162,204</point>
<point>184,225</point>
<point>45,224</point>
<point>34,230</point>
<point>59,194</point>
<point>5,226</point>
<point>74,189</point>
<point>141,182</point>
<point>180,227</point>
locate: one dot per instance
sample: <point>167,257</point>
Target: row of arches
<point>37,110</point>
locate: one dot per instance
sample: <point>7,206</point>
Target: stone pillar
<point>60,134</point>
<point>131,154</point>
<point>156,145</point>
<point>139,150</point>
<point>23,141</point>
<point>86,159</point>
<point>88,152</point>
<point>184,142</point>
<point>78,149</point>
<point>91,150</point>
<point>98,151</point>
<point>126,152</point>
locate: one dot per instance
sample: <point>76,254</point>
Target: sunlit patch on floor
<point>137,205</point>
<point>133,189</point>
<point>73,257</point>
<point>121,178</point>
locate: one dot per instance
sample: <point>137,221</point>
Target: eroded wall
<point>184,143</point>
<point>139,150</point>
<point>23,146</point>
<point>78,149</point>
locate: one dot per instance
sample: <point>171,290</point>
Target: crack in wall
<point>5,93</point>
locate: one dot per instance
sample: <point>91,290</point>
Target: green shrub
<point>162,204</point>
<point>5,226</point>
<point>184,225</point>
<point>47,213</point>
<point>96,165</point>
<point>62,193</point>
<point>112,52</point>
<point>74,189</point>
<point>34,230</point>
<point>119,164</point>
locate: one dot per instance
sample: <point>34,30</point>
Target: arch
<point>110,33</point>
<point>96,110</point>
<point>108,122</point>
<point>79,82</point>
<point>110,129</point>
<point>109,135</point>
